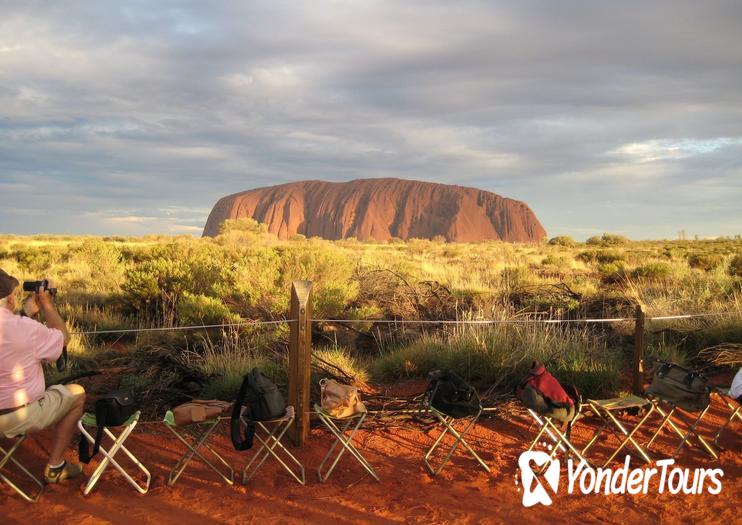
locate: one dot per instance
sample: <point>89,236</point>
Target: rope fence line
<point>173,328</point>
<point>407,321</point>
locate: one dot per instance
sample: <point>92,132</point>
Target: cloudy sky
<point>135,117</point>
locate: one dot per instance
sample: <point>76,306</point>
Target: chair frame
<point>611,422</point>
<point>459,439</point>
<point>7,457</point>
<point>684,437</point>
<point>271,446</point>
<point>193,442</point>
<point>339,432</point>
<point>562,442</point>
<point>734,406</point>
<point>108,454</point>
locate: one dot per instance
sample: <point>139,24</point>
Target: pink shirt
<point>24,344</point>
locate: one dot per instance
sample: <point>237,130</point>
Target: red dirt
<point>381,209</point>
<point>463,493</point>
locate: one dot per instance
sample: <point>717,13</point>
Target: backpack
<point>687,389</point>
<point>111,410</point>
<point>264,402</point>
<point>448,393</point>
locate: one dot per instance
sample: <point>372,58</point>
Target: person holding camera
<point>26,405</point>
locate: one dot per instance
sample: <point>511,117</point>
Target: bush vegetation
<point>245,273</point>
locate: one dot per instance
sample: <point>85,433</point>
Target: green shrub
<point>612,270</point>
<point>707,262</point>
<point>607,239</point>
<point>587,256</point>
<point>559,261</point>
<point>337,360</point>
<point>735,266</point>
<point>608,256</point>
<point>655,270</point>
<point>612,239</point>
<point>562,240</point>
<point>201,309</point>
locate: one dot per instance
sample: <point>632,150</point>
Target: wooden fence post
<point>300,358</point>
<point>639,346</point>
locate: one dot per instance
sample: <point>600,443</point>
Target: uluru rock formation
<point>381,209</point>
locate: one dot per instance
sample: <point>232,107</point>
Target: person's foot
<point>62,472</point>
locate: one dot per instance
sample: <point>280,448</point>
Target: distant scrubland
<point>245,273</point>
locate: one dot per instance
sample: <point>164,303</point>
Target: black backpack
<point>687,389</point>
<point>264,402</point>
<point>111,410</point>
<point>448,393</point>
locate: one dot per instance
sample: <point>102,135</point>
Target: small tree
<point>562,240</point>
<point>612,238</point>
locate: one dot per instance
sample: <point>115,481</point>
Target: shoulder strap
<point>234,423</point>
<point>83,450</point>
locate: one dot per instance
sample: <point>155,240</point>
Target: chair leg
<point>684,436</point>
<point>459,439</point>
<point>108,458</point>
<point>666,420</point>
<point>692,432</point>
<point>544,428</point>
<point>735,413</point>
<point>347,445</point>
<point>567,443</point>
<point>629,436</point>
<point>192,450</point>
<point>7,456</point>
<point>268,448</point>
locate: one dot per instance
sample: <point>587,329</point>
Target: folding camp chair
<point>605,409</point>
<point>459,439</point>
<point>561,440</point>
<point>338,427</point>
<point>88,420</point>
<point>734,407</point>
<point>193,440</point>
<point>7,457</point>
<point>271,445</point>
<point>692,431</point>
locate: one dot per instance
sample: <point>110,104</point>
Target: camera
<point>35,286</point>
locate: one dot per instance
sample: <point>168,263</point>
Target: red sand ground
<point>463,493</point>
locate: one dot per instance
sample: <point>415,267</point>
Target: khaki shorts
<point>52,406</point>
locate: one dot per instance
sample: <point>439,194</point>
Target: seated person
<point>26,405</point>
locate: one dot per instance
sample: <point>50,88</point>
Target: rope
<point>407,321</point>
<point>474,321</point>
<point>519,321</point>
<point>173,328</point>
<point>689,316</point>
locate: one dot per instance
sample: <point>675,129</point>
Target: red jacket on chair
<point>542,381</point>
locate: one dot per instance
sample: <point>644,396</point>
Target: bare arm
<point>53,319</point>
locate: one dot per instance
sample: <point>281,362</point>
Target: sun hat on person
<point>8,283</point>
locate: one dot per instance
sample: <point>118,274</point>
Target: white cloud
<point>144,108</point>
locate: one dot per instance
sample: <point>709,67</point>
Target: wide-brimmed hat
<point>8,283</point>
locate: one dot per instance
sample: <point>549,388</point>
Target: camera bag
<point>111,410</point>
<point>450,394</point>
